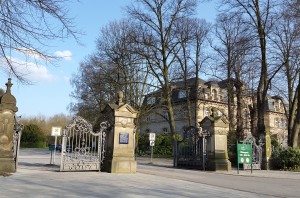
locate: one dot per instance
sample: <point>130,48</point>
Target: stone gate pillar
<point>120,142</point>
<point>8,109</point>
<point>217,154</point>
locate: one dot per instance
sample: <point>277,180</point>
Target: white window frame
<point>182,94</point>
<point>151,100</point>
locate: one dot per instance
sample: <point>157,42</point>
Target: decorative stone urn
<point>217,154</point>
<point>8,109</point>
<point>120,142</point>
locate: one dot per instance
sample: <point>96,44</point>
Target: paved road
<point>37,179</point>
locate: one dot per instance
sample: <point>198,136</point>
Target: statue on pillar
<point>8,109</point>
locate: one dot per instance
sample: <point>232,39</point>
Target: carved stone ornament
<point>221,131</point>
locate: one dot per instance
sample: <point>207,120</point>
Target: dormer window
<point>181,94</point>
<point>206,96</point>
<point>151,100</point>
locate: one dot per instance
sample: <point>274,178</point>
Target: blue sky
<point>50,94</point>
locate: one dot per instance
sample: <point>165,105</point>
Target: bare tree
<point>286,43</point>
<point>27,27</point>
<point>191,33</point>
<point>199,58</point>
<point>114,66</point>
<point>232,45</point>
<point>157,20</point>
<point>260,15</point>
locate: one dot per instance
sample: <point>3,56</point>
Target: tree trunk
<point>239,114</point>
<point>296,126</point>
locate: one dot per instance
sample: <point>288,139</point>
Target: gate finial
<point>8,85</point>
<point>120,98</point>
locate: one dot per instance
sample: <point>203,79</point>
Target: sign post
<point>244,155</point>
<point>56,131</point>
<point>152,143</point>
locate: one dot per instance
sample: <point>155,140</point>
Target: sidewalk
<point>36,178</point>
<point>255,173</point>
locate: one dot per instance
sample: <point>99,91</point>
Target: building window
<point>282,123</point>
<point>221,98</point>
<point>166,115</point>
<point>214,95</point>
<point>148,118</point>
<point>205,96</point>
<point>275,105</point>
<point>182,94</point>
<point>165,130</point>
<point>206,112</point>
<point>151,100</point>
<point>276,122</point>
<point>285,124</point>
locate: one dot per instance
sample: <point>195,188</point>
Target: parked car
<point>58,147</point>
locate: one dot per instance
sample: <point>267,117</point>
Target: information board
<point>123,138</point>
<point>151,136</point>
<point>56,131</point>
<point>244,152</point>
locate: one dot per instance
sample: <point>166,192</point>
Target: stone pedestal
<point>120,142</point>
<point>266,151</point>
<point>7,112</point>
<point>217,154</point>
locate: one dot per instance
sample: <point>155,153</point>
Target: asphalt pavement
<point>35,177</point>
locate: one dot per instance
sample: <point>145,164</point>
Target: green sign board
<point>244,152</point>
<point>51,147</point>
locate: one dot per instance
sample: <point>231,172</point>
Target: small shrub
<point>232,149</point>
<point>32,137</point>
<point>163,145</point>
<point>285,159</point>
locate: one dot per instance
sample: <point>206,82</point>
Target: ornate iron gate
<point>191,150</point>
<point>18,127</point>
<point>82,149</point>
<point>256,152</point>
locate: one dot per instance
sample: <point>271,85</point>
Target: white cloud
<point>66,54</point>
<point>29,70</point>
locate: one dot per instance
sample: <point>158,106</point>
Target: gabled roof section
<point>127,108</point>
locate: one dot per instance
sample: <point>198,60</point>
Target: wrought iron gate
<point>83,149</point>
<point>256,152</point>
<point>191,151</point>
<point>18,127</point>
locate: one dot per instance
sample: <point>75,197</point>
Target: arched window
<point>276,122</point>
<point>282,123</point>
